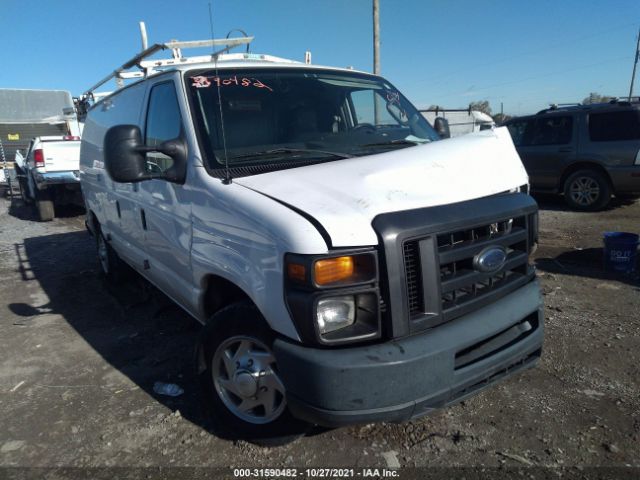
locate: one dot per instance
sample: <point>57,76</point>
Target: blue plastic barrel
<point>620,251</point>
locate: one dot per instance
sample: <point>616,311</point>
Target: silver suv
<point>586,152</point>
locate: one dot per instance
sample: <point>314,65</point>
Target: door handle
<point>143,218</point>
<point>565,150</point>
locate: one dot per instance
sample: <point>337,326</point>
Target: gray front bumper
<point>410,377</point>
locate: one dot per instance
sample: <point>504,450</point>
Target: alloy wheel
<point>584,191</point>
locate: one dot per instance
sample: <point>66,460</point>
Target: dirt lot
<point>78,361</point>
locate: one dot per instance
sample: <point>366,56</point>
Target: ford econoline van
<point>347,264</point>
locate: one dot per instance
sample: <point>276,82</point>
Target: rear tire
<point>111,265</point>
<point>587,190</point>
<point>44,204</point>
<point>244,394</point>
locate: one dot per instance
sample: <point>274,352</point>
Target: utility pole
<point>376,55</point>
<point>376,37</point>
<point>635,63</point>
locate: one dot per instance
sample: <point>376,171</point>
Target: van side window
<point>614,126</point>
<point>163,123</point>
<point>550,131</point>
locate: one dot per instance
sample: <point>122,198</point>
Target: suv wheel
<point>246,397</point>
<point>587,190</point>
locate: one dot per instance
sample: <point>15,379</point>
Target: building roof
<point>35,106</point>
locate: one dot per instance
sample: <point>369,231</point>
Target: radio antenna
<point>227,176</point>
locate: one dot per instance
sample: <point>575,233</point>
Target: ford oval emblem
<point>491,259</point>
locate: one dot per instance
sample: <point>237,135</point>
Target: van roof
<point>142,65</point>
<point>241,60</point>
<point>225,62</point>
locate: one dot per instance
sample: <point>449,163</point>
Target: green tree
<point>500,118</point>
<point>595,97</point>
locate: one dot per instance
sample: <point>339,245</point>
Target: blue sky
<point>525,54</point>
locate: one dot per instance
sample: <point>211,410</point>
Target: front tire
<point>587,190</point>
<point>244,393</point>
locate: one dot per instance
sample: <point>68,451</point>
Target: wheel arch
<point>218,293</point>
<point>92,223</point>
<point>582,165</point>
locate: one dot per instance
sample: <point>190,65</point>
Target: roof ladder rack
<point>147,67</point>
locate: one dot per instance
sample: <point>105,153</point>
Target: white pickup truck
<point>48,173</point>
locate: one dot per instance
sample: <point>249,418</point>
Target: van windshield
<point>282,118</point>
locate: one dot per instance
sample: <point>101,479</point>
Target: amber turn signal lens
<point>297,272</point>
<point>333,270</point>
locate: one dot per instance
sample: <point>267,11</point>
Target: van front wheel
<point>244,390</point>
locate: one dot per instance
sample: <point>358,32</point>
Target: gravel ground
<point>79,358</point>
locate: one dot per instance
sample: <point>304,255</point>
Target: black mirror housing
<point>177,150</point>
<point>441,125</point>
<point>124,158</point>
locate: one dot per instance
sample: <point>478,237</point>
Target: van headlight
<point>334,298</point>
<point>334,313</point>
<point>332,271</point>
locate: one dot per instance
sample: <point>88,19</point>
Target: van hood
<point>346,195</point>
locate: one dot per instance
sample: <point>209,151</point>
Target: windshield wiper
<point>285,150</point>
<point>390,143</point>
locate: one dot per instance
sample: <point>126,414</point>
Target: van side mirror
<point>441,126</point>
<point>125,156</point>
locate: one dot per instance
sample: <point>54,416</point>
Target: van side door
<point>165,212</point>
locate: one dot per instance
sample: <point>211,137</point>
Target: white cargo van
<point>348,265</point>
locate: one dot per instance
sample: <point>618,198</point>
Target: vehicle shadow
<point>22,211</point>
<point>556,203</point>
<point>587,262</point>
<point>133,326</point>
